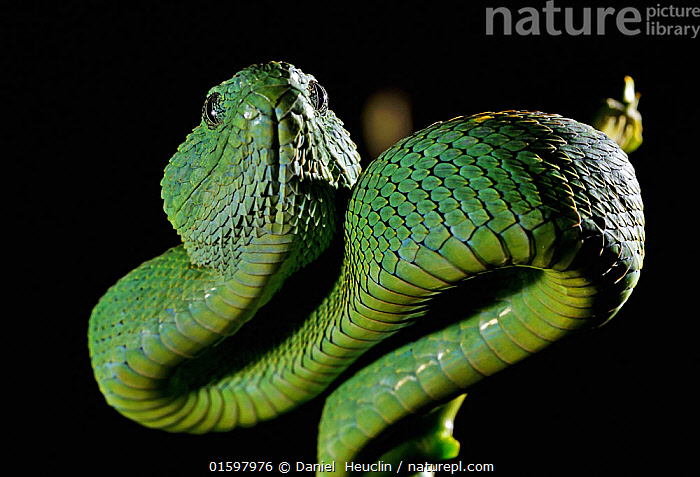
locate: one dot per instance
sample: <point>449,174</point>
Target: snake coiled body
<point>540,213</point>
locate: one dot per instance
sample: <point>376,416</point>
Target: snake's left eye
<point>212,113</point>
<point>319,97</point>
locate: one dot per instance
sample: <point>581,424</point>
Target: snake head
<point>264,160</point>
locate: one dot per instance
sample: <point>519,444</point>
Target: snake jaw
<point>332,157</point>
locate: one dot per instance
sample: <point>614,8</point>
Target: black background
<point>102,95</point>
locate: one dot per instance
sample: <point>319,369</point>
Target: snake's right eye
<point>212,113</point>
<point>319,97</point>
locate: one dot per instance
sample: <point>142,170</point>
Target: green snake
<point>540,216</point>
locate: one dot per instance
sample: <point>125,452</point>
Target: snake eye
<point>319,97</point>
<point>212,112</point>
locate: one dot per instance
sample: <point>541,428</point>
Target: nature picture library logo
<point>658,20</point>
